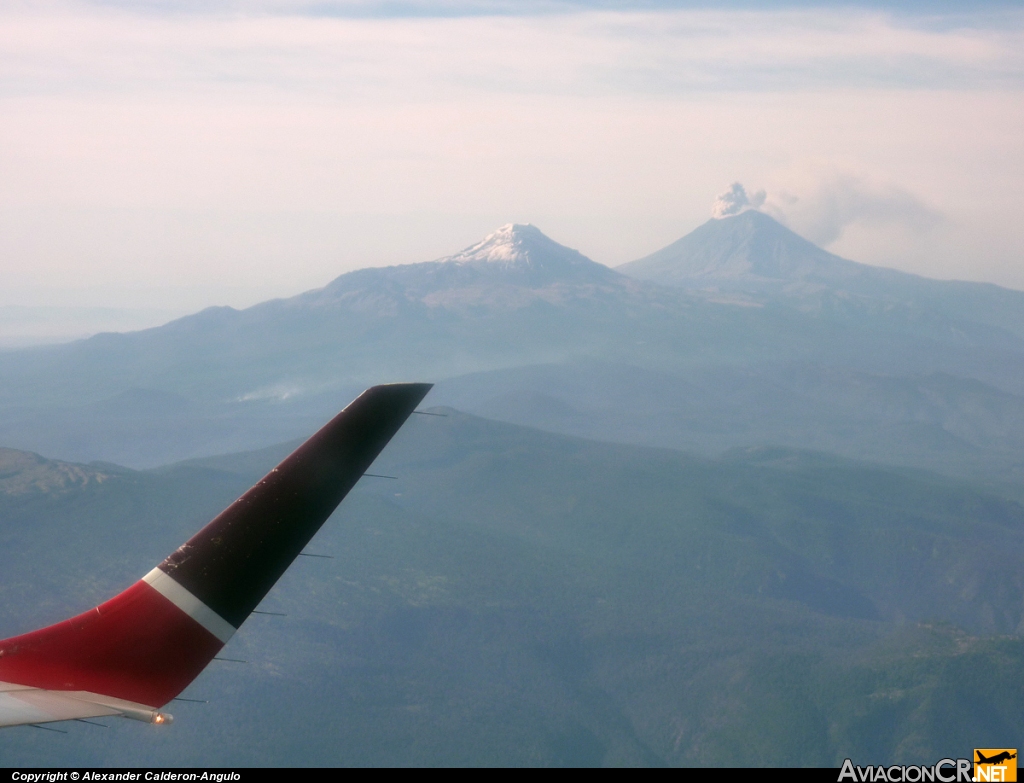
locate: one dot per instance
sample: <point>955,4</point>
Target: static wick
<point>231,660</point>
<point>46,728</point>
<point>90,722</point>
<point>379,475</point>
<point>275,614</point>
<point>193,701</point>
<point>427,413</point>
<point>307,554</point>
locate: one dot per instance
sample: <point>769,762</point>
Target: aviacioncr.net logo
<point>943,771</point>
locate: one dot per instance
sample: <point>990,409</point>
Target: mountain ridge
<point>244,378</point>
<point>516,597</point>
<point>755,258</point>
<point>518,263</point>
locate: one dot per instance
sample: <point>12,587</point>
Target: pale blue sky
<point>173,156</point>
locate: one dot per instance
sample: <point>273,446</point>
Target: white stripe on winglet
<point>189,604</point>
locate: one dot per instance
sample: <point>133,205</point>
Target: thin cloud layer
<point>196,146</point>
<point>81,50</point>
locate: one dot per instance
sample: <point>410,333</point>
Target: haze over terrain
<point>524,598</point>
<point>739,502</point>
<point>738,491</point>
<point>741,333</point>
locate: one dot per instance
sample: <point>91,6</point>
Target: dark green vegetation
<point>958,426</point>
<point>520,597</point>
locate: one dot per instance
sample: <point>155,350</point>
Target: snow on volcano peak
<point>521,255</point>
<point>514,244</point>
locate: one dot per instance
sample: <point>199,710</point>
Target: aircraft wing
<point>22,704</point>
<point>133,654</point>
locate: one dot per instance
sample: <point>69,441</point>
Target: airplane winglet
<point>231,563</point>
<point>136,652</point>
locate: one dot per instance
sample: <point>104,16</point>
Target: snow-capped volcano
<point>518,246</point>
<point>515,254</point>
<point>521,255</point>
<point>510,268</point>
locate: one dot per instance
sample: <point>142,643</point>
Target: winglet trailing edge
<point>131,655</point>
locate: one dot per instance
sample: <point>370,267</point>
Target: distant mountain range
<point>741,333</point>
<point>751,254</point>
<point>517,596</point>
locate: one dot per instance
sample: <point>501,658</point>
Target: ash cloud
<point>836,201</point>
<point>736,200</point>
